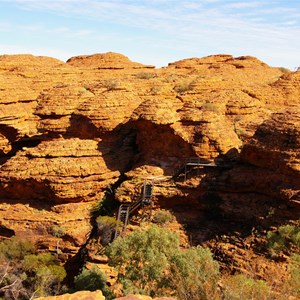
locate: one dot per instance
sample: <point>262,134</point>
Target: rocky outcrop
<point>82,295</point>
<point>276,144</point>
<point>288,87</point>
<point>71,131</point>
<point>143,297</point>
<point>60,170</point>
<point>62,229</point>
<point>271,164</point>
<point>22,78</point>
<point>109,60</point>
<point>97,295</point>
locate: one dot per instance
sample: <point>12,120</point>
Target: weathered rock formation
<point>82,295</point>
<point>97,295</point>
<point>71,131</point>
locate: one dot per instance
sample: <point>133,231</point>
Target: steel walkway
<point>127,209</point>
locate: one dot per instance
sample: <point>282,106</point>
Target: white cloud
<point>4,26</point>
<point>239,5</point>
<point>191,27</point>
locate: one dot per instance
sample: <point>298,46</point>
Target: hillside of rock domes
<point>70,133</point>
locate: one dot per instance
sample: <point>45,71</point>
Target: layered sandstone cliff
<point>69,132</point>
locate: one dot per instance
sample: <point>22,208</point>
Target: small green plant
<point>285,238</point>
<point>106,227</point>
<point>195,274</point>
<point>145,75</point>
<point>46,270</point>
<point>111,84</point>
<point>15,248</point>
<point>284,70</point>
<point>25,274</point>
<point>162,217</point>
<point>270,213</point>
<point>58,231</point>
<point>92,280</point>
<point>184,86</point>
<point>294,269</point>
<point>240,132</point>
<point>209,106</point>
<point>155,90</point>
<point>240,286</point>
<point>104,206</point>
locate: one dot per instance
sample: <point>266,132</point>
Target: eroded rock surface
<point>82,295</point>
<point>71,131</point>
<point>97,295</point>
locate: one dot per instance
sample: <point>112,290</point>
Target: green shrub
<point>209,106</point>
<point>105,206</point>
<point>151,262</point>
<point>155,90</point>
<point>58,231</point>
<point>15,248</point>
<point>106,227</point>
<point>111,84</point>
<point>144,75</point>
<point>92,280</point>
<point>195,274</point>
<point>162,217</point>
<point>27,274</point>
<point>184,86</point>
<point>240,286</point>
<point>294,269</point>
<point>47,274</point>
<point>142,259</point>
<point>284,70</point>
<point>283,239</point>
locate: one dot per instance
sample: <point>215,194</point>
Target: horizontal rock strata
<point>70,131</point>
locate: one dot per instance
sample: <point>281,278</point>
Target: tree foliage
<point>284,239</point>
<point>195,274</point>
<point>151,262</point>
<point>92,280</point>
<point>294,269</point>
<point>106,227</point>
<point>240,286</point>
<point>162,217</point>
<point>24,273</point>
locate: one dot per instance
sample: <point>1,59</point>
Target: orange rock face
<point>82,295</point>
<point>109,60</point>
<point>97,295</point>
<point>60,170</point>
<point>70,131</point>
<point>271,160</point>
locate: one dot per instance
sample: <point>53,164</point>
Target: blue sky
<point>153,32</point>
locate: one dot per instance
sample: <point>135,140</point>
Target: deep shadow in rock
<point>6,232</point>
<point>138,143</point>
<point>219,207</point>
<point>37,194</point>
<point>135,143</point>
<point>161,143</point>
<point>11,135</point>
<point>81,127</point>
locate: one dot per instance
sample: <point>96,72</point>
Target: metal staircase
<point>127,209</point>
<point>123,216</point>
<point>147,192</point>
<point>196,162</point>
